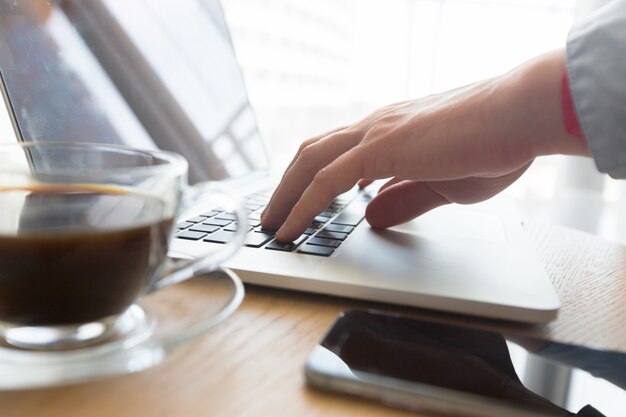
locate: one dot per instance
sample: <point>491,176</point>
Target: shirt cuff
<point>596,69</point>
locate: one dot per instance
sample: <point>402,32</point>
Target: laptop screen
<point>143,73</point>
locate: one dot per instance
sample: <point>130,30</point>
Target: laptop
<point>149,75</point>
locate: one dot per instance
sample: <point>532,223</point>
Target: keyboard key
<point>212,213</point>
<point>258,239</point>
<point>316,250</point>
<point>205,228</point>
<point>327,214</point>
<point>320,219</point>
<point>319,241</point>
<point>258,200</point>
<point>221,236</point>
<point>342,201</point>
<point>309,231</point>
<point>339,228</point>
<point>217,222</point>
<point>332,235</point>
<point>183,225</point>
<point>266,231</point>
<point>226,216</point>
<point>254,216</point>
<point>317,225</point>
<point>189,235</point>
<point>197,219</point>
<point>233,226</point>
<point>335,206</point>
<point>285,246</point>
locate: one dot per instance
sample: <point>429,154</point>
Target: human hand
<point>462,146</point>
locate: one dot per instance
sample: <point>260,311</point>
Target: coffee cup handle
<point>212,195</point>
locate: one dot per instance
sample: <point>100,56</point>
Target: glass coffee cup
<point>84,233</point>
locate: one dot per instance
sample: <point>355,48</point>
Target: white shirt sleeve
<point>596,67</point>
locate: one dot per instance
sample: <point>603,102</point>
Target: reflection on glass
<point>465,360</point>
<point>146,73</point>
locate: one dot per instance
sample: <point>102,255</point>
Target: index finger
<point>301,148</point>
<point>313,158</point>
<point>336,178</point>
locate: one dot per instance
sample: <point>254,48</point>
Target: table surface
<point>252,364</point>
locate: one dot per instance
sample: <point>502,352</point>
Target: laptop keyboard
<point>323,236</point>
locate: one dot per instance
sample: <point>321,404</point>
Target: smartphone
<point>422,366</point>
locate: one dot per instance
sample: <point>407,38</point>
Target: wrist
<point>536,91</point>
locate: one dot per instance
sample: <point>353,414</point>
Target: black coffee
<point>75,254</point>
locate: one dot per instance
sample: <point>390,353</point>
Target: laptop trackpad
<point>470,263</point>
<point>457,222</point>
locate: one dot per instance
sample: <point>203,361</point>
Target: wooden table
<point>251,365</point>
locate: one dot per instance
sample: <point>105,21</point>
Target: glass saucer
<point>166,320</point>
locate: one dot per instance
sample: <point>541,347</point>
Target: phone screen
<point>423,365</point>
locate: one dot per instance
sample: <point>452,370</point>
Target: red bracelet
<point>570,118</point>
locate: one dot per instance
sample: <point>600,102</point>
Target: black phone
<point>428,367</point>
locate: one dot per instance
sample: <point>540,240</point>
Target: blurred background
<point>312,66</point>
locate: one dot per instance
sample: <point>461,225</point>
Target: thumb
<point>402,202</point>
